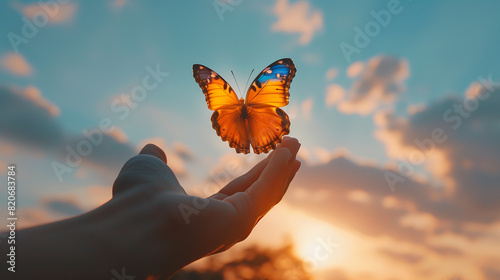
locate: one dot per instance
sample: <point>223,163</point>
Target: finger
<point>241,183</point>
<point>151,149</point>
<point>147,169</point>
<point>266,191</point>
<point>295,169</point>
<point>292,144</point>
<point>271,185</point>
<point>251,206</point>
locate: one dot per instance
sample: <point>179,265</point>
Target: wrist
<point>68,249</point>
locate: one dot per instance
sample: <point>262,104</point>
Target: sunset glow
<point>395,104</point>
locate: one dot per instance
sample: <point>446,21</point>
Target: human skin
<point>142,232</point>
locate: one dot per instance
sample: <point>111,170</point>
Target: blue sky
<point>82,64</point>
<point>90,53</point>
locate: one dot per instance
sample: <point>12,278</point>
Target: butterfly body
<point>243,109</point>
<point>256,120</point>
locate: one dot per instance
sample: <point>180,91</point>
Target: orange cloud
<point>118,134</point>
<point>456,141</point>
<point>355,69</point>
<point>297,18</point>
<point>31,216</point>
<point>58,13</point>
<point>334,94</point>
<point>306,107</point>
<point>118,4</point>
<point>3,167</point>
<point>331,74</point>
<point>16,64</point>
<point>377,83</point>
<point>34,95</point>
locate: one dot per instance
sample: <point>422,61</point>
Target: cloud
<point>109,154</point>
<point>490,272</point>
<point>52,207</point>
<point>183,151</point>
<point>416,211</point>
<point>32,93</point>
<point>355,69</point>
<point>334,94</point>
<point>337,274</point>
<point>297,18</point>
<point>55,14</point>
<point>377,83</point>
<point>177,155</point>
<point>428,224</point>
<point>28,118</point>
<point>66,206</point>
<point>331,74</point>
<point>31,216</point>
<point>306,107</point>
<point>118,134</point>
<point>228,166</point>
<point>301,109</point>
<point>456,140</point>
<point>408,258</point>
<point>343,186</point>
<point>118,4</point>
<point>16,64</point>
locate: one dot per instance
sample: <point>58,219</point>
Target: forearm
<point>68,249</point>
<point>126,237</point>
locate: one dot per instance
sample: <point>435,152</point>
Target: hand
<point>183,228</point>
<point>151,228</point>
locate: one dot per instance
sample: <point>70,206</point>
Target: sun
<point>317,243</point>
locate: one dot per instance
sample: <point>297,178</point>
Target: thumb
<point>148,168</point>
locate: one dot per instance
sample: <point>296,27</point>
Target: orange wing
<point>218,93</point>
<point>257,121</point>
<point>270,88</point>
<point>266,126</point>
<point>220,97</point>
<point>231,127</point>
<point>267,123</point>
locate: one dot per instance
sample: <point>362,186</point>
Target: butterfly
<point>256,120</point>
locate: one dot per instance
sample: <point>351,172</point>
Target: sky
<point>395,104</point>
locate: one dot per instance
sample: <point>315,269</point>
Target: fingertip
<point>270,154</point>
<point>284,152</point>
<point>151,149</point>
<point>292,144</point>
<point>296,166</point>
<point>289,139</point>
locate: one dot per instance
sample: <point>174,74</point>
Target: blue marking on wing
<point>277,72</point>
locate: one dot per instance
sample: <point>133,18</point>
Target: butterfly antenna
<point>236,82</point>
<point>249,78</point>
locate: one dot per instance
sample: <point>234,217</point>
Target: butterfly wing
<point>267,123</point>
<point>221,98</point>
<point>270,87</point>
<point>218,93</point>
<point>231,127</point>
<point>266,127</point>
